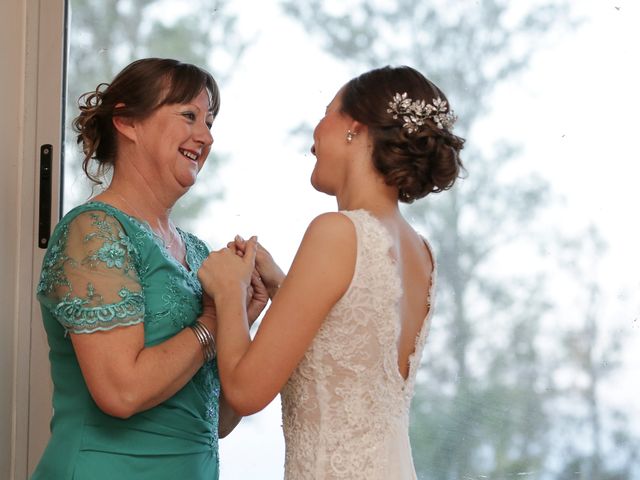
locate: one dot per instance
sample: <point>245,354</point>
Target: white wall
<point>26,28</point>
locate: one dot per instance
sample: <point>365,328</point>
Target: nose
<point>203,135</point>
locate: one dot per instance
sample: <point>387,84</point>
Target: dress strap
<point>434,269</point>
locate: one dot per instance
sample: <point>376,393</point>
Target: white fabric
<point>346,406</point>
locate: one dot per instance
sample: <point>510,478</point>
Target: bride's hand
<point>271,274</point>
<point>259,298</point>
<point>257,293</point>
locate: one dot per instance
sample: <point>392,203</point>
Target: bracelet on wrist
<point>206,340</point>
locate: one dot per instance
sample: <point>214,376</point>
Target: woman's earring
<point>350,136</point>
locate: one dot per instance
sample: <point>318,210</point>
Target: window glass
<point>530,368</point>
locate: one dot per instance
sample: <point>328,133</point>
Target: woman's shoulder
<point>93,221</point>
<point>331,227</point>
<point>330,220</point>
<point>367,225</point>
<point>94,209</point>
<point>348,224</point>
<point>359,216</point>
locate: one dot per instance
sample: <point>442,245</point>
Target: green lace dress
<point>104,270</point>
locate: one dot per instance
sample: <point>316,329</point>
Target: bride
<point>343,337</point>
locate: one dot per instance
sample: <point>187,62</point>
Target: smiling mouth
<point>189,154</point>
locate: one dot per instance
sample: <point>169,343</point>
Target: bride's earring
<point>350,136</point>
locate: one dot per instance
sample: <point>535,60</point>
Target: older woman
<point>131,336</point>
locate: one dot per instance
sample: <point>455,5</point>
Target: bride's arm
<point>252,373</point>
<point>228,418</point>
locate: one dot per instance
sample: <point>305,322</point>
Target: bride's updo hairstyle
<point>136,92</point>
<point>409,121</point>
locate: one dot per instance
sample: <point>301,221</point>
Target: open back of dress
<point>346,406</point>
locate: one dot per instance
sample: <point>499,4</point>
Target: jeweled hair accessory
<point>415,112</point>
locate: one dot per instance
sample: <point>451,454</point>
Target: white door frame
<point>42,65</point>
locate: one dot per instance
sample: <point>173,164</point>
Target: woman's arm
<point>125,378</point>
<point>252,373</point>
<point>92,285</point>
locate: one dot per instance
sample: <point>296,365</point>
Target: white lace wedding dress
<point>345,409</point>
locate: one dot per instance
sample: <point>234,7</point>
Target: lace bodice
<point>346,407</point>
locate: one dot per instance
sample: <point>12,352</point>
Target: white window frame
<point>32,41</point>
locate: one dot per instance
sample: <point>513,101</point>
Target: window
<point>530,362</point>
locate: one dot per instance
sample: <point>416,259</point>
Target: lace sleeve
<point>88,281</point>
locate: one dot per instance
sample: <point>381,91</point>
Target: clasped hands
<point>242,265</point>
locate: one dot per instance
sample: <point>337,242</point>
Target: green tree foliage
<point>485,399</point>
<point>104,36</point>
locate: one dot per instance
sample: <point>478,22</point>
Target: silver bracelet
<point>206,340</point>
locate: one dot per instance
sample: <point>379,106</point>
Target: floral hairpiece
<point>415,112</point>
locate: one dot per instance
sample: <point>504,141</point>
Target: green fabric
<point>104,270</point>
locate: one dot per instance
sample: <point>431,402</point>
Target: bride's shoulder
<point>330,231</point>
<point>327,254</point>
<point>331,223</point>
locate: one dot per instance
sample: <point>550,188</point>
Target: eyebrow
<point>208,111</point>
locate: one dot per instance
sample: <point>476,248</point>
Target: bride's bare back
<point>415,266</point>
<point>346,405</point>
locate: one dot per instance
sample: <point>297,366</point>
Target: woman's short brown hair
<point>136,92</point>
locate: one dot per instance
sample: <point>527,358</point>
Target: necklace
<point>174,232</point>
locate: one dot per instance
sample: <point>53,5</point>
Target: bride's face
<point>330,147</point>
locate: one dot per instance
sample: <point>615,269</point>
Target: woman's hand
<point>258,299</point>
<point>257,293</point>
<point>224,271</point>
<point>271,274</point>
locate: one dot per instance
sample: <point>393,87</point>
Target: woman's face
<point>330,147</point>
<point>175,140</point>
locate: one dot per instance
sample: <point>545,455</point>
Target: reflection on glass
<point>528,370</point>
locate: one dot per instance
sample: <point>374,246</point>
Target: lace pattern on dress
<point>180,309</point>
<point>347,395</point>
<point>77,317</point>
<point>89,275</point>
